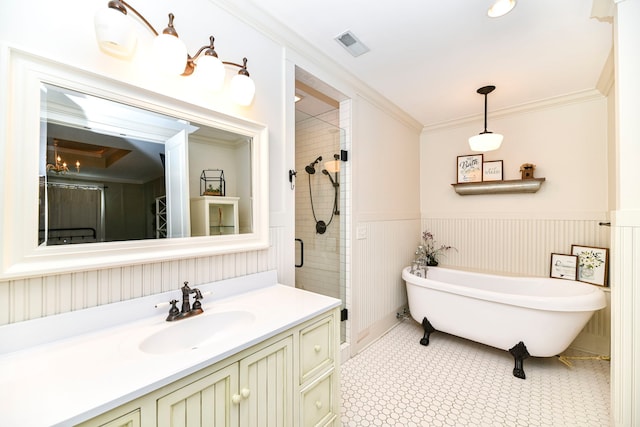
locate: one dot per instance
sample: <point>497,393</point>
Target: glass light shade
<point>332,166</point>
<point>170,54</point>
<point>242,89</point>
<point>485,141</point>
<point>115,33</point>
<point>210,72</point>
<point>500,8</point>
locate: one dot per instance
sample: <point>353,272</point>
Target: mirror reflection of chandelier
<point>60,165</point>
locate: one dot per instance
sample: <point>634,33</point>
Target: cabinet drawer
<point>316,348</point>
<point>318,402</point>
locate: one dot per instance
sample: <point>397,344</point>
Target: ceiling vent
<point>349,41</point>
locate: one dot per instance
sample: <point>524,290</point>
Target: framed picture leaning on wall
<point>564,266</point>
<point>470,168</point>
<point>492,170</point>
<point>593,264</point>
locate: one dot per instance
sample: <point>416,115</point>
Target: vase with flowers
<point>588,262</point>
<point>430,251</point>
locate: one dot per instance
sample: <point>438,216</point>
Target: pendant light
<point>486,140</point>
<point>501,8</point>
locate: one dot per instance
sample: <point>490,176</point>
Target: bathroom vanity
<point>260,354</point>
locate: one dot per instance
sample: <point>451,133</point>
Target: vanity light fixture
<point>60,166</point>
<point>501,8</point>
<point>486,140</point>
<point>116,36</point>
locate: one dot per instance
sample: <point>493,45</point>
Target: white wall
<point>383,156</point>
<point>567,139</point>
<point>67,35</point>
<point>385,162</point>
<point>625,366</point>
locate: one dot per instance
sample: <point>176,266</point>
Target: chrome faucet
<point>187,310</point>
<point>419,265</point>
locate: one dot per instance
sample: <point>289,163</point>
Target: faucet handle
<point>197,305</point>
<point>173,311</point>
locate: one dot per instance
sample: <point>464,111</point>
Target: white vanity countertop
<point>82,374</point>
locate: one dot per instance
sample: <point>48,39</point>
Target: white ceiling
<point>430,56</point>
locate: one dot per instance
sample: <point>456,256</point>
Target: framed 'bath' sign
<point>470,168</point>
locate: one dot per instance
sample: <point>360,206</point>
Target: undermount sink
<point>194,332</point>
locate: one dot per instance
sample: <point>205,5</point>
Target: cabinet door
<point>113,419</point>
<point>205,402</point>
<point>266,386</point>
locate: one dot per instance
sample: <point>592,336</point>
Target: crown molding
<point>253,15</point>
<point>571,98</point>
<point>607,77</point>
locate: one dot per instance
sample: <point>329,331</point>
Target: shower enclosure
<point>320,240</point>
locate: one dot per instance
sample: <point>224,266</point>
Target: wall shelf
<point>499,187</point>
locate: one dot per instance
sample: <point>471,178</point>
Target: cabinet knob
<point>317,348</point>
<point>245,392</point>
<point>236,399</point>
<point>318,404</point>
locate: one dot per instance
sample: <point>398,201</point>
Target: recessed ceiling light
<point>500,8</point>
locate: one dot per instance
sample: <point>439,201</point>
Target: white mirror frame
<point>20,255</point>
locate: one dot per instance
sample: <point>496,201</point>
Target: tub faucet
<point>187,310</point>
<point>419,268</point>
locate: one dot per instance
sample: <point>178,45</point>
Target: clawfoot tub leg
<point>428,329</point>
<point>519,353</point>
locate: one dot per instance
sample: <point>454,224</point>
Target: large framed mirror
<point>99,173</point>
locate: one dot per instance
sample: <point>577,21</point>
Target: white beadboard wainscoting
<point>523,246</point>
<point>520,246</point>
<point>381,250</point>
<point>41,296</point>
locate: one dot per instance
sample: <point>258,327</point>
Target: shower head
<point>326,172</point>
<point>311,168</point>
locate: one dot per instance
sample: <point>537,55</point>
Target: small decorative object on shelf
<point>212,183</point>
<point>526,170</point>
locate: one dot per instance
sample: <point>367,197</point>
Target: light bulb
<point>170,54</point>
<point>500,8</point>
<point>210,72</point>
<point>242,89</point>
<point>115,33</point>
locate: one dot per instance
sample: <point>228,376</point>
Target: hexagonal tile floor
<point>456,382</point>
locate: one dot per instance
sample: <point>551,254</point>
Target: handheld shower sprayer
<point>326,172</point>
<point>311,168</point>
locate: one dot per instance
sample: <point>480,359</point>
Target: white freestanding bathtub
<point>527,316</point>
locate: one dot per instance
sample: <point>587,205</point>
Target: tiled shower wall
<point>317,136</point>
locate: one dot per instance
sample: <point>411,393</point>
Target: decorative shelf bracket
<point>499,187</point>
